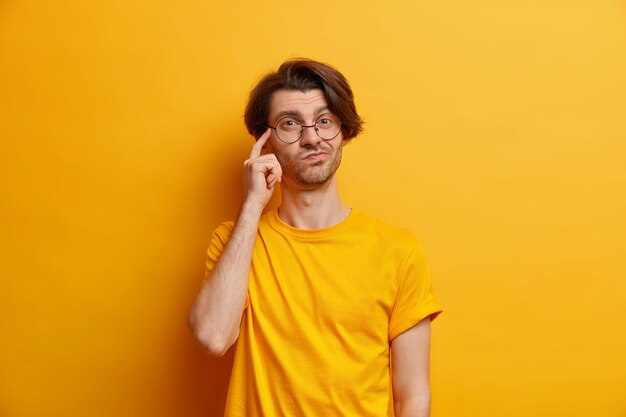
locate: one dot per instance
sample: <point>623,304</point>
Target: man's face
<point>311,161</point>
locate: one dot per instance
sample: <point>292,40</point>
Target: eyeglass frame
<point>303,126</point>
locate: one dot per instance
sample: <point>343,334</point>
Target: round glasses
<point>289,130</point>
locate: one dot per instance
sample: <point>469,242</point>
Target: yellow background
<point>495,131</point>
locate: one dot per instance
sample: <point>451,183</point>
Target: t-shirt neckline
<point>278,224</point>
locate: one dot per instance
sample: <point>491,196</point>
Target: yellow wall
<point>495,131</point>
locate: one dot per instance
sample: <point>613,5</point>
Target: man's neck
<point>312,209</point>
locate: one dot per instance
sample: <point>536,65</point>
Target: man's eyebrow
<point>296,113</point>
<point>284,113</point>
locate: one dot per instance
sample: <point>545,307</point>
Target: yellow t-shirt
<point>321,309</point>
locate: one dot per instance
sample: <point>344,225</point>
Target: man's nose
<point>309,136</point>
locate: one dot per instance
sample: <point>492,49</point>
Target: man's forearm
<point>215,316</point>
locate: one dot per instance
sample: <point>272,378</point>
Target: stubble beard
<point>306,175</point>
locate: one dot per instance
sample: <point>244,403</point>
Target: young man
<point>328,306</point>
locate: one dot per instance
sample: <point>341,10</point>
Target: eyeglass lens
<point>289,129</point>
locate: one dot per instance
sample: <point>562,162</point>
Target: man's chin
<point>313,176</point>
<point>318,174</point>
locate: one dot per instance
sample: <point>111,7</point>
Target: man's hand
<point>261,173</point>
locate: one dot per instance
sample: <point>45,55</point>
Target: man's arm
<point>410,359</point>
<point>215,316</point>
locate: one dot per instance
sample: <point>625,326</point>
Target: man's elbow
<point>417,405</point>
<point>215,345</point>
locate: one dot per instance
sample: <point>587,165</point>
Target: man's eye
<point>289,123</point>
<point>325,122</point>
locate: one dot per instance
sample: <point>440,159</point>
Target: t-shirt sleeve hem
<point>431,308</point>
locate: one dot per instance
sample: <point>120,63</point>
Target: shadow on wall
<point>205,378</point>
<point>208,377</point>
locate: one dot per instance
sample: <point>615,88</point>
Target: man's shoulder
<point>225,228</point>
<point>387,231</point>
<point>227,225</point>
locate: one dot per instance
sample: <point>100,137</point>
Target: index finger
<point>256,148</point>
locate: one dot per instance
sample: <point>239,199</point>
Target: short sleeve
<point>415,299</point>
<point>216,247</point>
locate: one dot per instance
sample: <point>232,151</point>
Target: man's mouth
<point>314,156</point>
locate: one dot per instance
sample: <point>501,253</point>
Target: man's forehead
<point>295,101</point>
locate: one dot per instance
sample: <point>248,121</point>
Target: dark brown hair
<point>304,75</point>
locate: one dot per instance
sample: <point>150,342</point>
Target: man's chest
<point>346,289</point>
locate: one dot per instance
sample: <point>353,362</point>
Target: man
<point>328,306</point>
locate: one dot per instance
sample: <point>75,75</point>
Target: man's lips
<point>314,155</point>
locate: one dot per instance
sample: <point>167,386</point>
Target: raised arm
<point>215,316</point>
